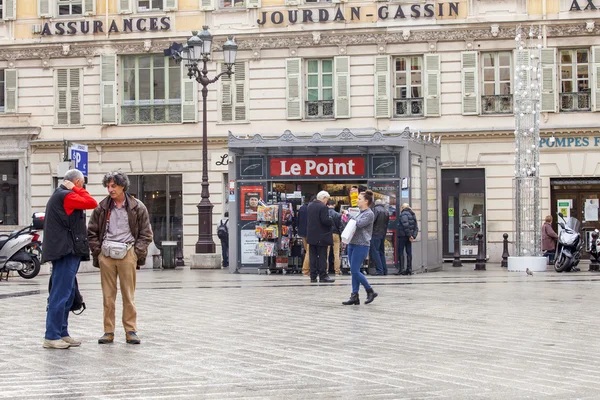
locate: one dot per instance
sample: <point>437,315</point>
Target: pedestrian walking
<point>223,235</point>
<point>319,237</point>
<point>380,226</point>
<point>302,227</point>
<point>407,232</point>
<point>65,243</point>
<point>119,233</point>
<point>549,238</point>
<point>358,248</point>
<point>336,231</point>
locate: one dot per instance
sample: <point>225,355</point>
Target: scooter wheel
<point>31,268</point>
<point>562,264</point>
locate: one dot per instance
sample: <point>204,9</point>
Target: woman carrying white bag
<point>357,234</point>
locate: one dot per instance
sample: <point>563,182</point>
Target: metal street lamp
<point>198,51</point>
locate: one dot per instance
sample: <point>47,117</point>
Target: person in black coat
<point>319,237</point>
<point>302,226</point>
<point>407,233</point>
<point>380,226</point>
<point>337,229</point>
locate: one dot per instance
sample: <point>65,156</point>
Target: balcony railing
<point>151,114</point>
<point>575,101</point>
<point>319,109</point>
<point>497,104</point>
<point>408,107</point>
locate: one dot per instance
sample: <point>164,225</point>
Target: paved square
<point>456,334</point>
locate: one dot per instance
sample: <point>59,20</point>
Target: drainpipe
<point>106,16</point>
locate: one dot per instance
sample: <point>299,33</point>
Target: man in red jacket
<point>65,242</point>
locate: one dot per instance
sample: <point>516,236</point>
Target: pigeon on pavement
<point>528,272</point>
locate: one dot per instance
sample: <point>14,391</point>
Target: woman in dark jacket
<point>549,238</point>
<point>407,233</point>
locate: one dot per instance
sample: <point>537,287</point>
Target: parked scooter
<point>569,246</point>
<point>21,250</point>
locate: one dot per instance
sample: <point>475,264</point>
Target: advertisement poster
<point>248,241</point>
<point>591,210</point>
<point>249,197</point>
<point>390,248</point>
<point>564,207</point>
<point>386,192</point>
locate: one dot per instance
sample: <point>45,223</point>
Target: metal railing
<point>408,107</point>
<point>497,104</point>
<point>150,114</point>
<point>579,101</point>
<point>319,109</point>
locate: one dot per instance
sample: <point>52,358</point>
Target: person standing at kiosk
<point>319,237</point>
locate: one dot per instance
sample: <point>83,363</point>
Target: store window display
<point>471,221</point>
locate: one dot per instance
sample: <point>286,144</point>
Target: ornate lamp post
<point>197,52</point>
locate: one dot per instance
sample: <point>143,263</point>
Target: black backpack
<point>78,303</point>
<point>223,230</point>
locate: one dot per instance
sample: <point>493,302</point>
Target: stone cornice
<point>509,133</point>
<point>279,40</point>
<point>131,142</point>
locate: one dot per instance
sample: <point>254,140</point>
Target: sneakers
<point>107,338</point>
<point>56,344</point>
<point>72,342</point>
<point>132,338</point>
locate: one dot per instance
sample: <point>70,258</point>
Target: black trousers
<point>318,261</point>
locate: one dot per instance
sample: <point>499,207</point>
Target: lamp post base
<point>205,261</point>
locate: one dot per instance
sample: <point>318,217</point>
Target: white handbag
<point>115,250</point>
<point>349,231</point>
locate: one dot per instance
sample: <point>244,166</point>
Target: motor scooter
<point>21,251</point>
<point>569,246</point>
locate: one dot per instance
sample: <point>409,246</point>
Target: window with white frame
<point>232,3</point>
<point>68,96</point>
<point>151,90</point>
<point>408,86</point>
<point>149,5</point>
<point>70,7</point>
<point>496,95</point>
<point>319,88</point>
<point>1,9</point>
<point>575,80</point>
<point>316,1</point>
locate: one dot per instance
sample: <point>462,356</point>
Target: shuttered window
<point>69,86</point>
<point>2,90</point>
<point>575,80</point>
<point>496,95</point>
<point>408,86</point>
<point>319,88</point>
<point>234,93</point>
<point>151,90</point>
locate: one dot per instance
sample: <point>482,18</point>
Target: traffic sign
<point>79,155</point>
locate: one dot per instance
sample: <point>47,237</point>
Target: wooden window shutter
<point>125,6</point>
<point>207,5</point>
<point>293,73</point>
<point>44,9</point>
<point>89,7</point>
<point>62,94</point>
<point>226,96</point>
<point>548,100</point>
<point>253,3</point>
<point>108,89</point>
<point>189,97</point>
<point>470,82</point>
<point>10,10</point>
<point>432,85</point>
<point>341,68</point>
<point>11,95</point>
<point>170,5</point>
<point>595,85</point>
<point>241,102</point>
<point>75,108</point>
<point>382,86</point>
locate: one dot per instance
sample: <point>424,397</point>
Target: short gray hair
<point>72,175</point>
<point>378,202</point>
<point>322,195</point>
<point>118,177</point>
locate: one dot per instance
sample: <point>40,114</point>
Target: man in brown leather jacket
<point>119,233</point>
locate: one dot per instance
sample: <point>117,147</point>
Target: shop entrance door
<point>463,210</point>
<point>9,195</point>
<point>579,200</point>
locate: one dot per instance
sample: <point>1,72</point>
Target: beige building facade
<point>92,72</point>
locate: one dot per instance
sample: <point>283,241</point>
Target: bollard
<point>594,265</point>
<point>456,262</point>
<point>505,254</point>
<point>179,254</point>
<point>480,264</point>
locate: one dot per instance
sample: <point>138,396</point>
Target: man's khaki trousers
<point>306,263</point>
<point>124,269</point>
